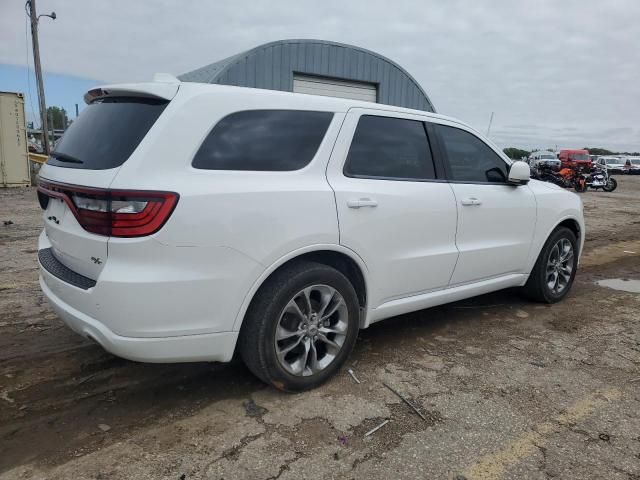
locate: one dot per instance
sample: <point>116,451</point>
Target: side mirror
<point>519,173</point>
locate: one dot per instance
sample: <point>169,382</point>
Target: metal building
<point>318,67</point>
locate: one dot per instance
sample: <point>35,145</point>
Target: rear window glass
<point>263,140</point>
<point>106,133</point>
<point>390,148</point>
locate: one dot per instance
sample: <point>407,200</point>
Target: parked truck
<point>572,158</point>
<point>14,157</point>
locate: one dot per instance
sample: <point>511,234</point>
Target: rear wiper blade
<point>65,158</point>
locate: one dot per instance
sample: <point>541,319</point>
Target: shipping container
<point>14,156</point>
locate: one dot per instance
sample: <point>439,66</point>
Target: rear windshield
<point>106,133</point>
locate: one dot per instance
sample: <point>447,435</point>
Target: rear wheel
<point>611,185</point>
<point>300,327</point>
<point>580,185</point>
<point>555,269</point>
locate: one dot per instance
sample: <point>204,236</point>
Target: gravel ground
<point>506,388</point>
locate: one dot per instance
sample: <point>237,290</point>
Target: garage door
<point>330,87</point>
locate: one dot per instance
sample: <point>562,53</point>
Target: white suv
<point>184,222</point>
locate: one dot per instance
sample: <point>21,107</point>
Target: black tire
<point>611,185</point>
<point>580,186</point>
<point>256,343</point>
<point>536,287</point>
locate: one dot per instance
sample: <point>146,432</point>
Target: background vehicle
<point>210,216</point>
<point>550,174</point>
<point>544,158</point>
<point>632,165</point>
<point>611,164</point>
<point>571,158</point>
<point>599,178</point>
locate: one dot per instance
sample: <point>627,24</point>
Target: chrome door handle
<point>362,202</point>
<point>470,201</point>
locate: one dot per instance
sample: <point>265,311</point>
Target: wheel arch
<point>572,224</point>
<point>341,258</point>
<point>569,221</point>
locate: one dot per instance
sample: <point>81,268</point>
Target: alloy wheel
<point>311,330</point>
<point>559,266</point>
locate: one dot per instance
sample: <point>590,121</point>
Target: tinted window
<point>470,159</point>
<point>387,147</point>
<point>106,133</point>
<point>273,140</point>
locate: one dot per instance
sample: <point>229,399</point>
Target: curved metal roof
<point>272,65</point>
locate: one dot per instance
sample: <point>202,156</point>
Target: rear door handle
<point>362,202</point>
<point>470,201</point>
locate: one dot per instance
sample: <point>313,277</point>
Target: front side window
<point>389,148</point>
<point>470,159</point>
<point>263,140</point>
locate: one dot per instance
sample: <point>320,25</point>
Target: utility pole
<point>31,11</point>
<point>490,122</point>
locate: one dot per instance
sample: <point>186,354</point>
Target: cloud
<point>548,64</point>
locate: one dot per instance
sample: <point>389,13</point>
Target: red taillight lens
<point>115,213</point>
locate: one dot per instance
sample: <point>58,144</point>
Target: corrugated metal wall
<point>271,66</point>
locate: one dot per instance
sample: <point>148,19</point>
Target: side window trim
<point>437,166</point>
<point>444,158</point>
<point>437,152</point>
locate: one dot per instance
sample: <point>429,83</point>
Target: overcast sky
<point>563,73</point>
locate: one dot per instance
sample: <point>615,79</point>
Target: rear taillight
<point>114,213</point>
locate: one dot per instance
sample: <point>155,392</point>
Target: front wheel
<point>555,269</point>
<point>611,185</point>
<point>300,327</point>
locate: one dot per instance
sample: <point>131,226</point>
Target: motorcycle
<point>548,174</point>
<point>599,178</point>
<point>579,178</point>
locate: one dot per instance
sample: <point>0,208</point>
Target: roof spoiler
<point>164,86</point>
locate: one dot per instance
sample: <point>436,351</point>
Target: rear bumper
<point>186,348</point>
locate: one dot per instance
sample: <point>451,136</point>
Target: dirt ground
<point>507,388</point>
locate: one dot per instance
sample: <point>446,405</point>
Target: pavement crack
<point>285,466</point>
<point>234,452</point>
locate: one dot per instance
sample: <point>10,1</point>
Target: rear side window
<point>470,159</point>
<point>106,133</point>
<point>390,148</point>
<point>263,140</point>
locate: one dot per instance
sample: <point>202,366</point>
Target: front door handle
<point>470,201</point>
<point>362,202</point>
